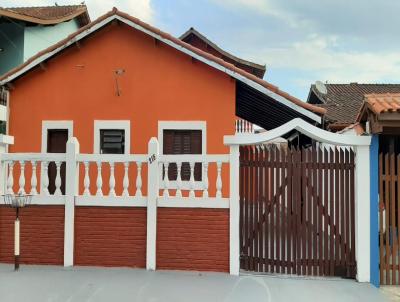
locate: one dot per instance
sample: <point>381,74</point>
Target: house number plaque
<point>152,158</point>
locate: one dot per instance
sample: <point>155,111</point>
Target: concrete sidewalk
<point>49,283</point>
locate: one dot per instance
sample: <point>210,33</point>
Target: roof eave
<point>224,52</point>
<point>22,17</point>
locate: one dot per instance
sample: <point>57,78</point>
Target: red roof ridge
<point>165,35</point>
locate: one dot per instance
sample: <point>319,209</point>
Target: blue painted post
<point>374,155</point>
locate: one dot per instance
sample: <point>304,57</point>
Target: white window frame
<point>112,124</point>
<point>184,125</point>
<point>54,125</point>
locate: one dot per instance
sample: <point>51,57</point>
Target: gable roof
<point>382,112</point>
<point>305,109</point>
<point>385,102</point>
<point>343,101</point>
<point>47,15</point>
<point>190,37</point>
<point>379,103</point>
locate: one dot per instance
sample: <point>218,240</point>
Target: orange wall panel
<point>159,83</point>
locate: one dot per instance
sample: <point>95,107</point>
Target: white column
<point>71,190</point>
<point>22,178</point>
<point>16,238</point>
<point>152,195</point>
<point>234,257</point>
<point>112,181</point>
<point>33,179</point>
<point>86,180</point>
<point>139,179</point>
<point>362,213</point>
<point>125,181</point>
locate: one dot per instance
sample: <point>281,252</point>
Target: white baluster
<point>191,193</point>
<point>86,180</point>
<point>112,180</point>
<point>10,180</point>
<point>166,180</point>
<point>205,179</point>
<point>125,181</point>
<point>33,179</point>
<point>58,179</point>
<point>179,179</point>
<point>22,178</point>
<point>139,179</point>
<point>219,180</point>
<point>45,180</point>
<point>99,181</point>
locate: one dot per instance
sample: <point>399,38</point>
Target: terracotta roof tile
<point>177,41</point>
<point>47,14</point>
<point>387,102</point>
<point>343,101</point>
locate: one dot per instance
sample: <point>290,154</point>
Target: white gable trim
<point>211,63</point>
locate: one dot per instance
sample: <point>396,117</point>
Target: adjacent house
<point>114,84</point>
<point>372,109</point>
<point>195,38</point>
<point>24,31</point>
<point>343,102</point>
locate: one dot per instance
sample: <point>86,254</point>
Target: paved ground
<point>392,292</point>
<point>47,283</point>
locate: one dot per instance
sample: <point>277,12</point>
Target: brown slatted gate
<point>297,211</point>
<point>389,222</point>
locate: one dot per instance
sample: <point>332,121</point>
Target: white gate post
<point>362,213</point>
<point>152,195</point>
<point>234,256</point>
<point>71,190</point>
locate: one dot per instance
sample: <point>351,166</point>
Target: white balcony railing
<point>114,179</point>
<point>243,126</point>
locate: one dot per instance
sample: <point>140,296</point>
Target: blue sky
<point>300,41</point>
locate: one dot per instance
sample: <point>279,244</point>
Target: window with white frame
<point>111,137</point>
<point>187,137</point>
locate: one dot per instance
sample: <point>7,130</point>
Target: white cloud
<point>256,5</point>
<point>316,57</point>
<point>141,9</point>
<point>267,8</point>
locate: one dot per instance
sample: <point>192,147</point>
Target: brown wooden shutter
<point>196,148</point>
<point>183,142</point>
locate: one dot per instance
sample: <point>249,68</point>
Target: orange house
<point>113,85</point>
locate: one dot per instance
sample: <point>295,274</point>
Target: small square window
<point>112,141</point>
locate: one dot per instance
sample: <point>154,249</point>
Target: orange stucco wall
<point>160,83</point>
